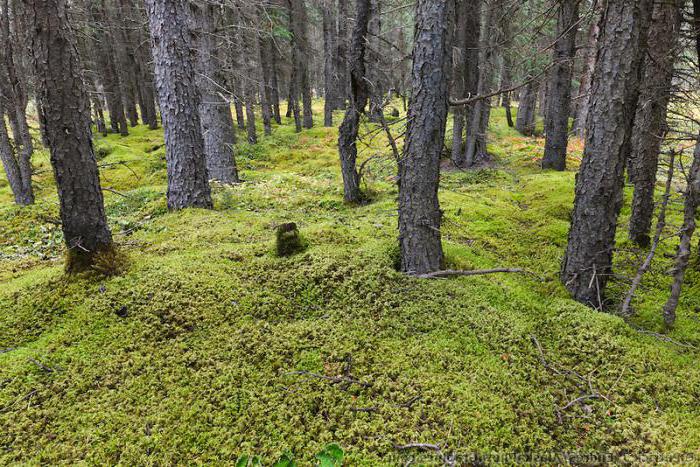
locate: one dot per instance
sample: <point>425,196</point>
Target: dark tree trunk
<point>179,100</point>
<point>266,83</point>
<point>359,95</point>
<point>466,71</point>
<point>650,119</point>
<point>214,109</point>
<point>374,62</point>
<point>343,91</point>
<point>66,108</point>
<point>475,151</point>
<point>301,58</point>
<point>419,168</point>
<point>238,106</point>
<point>13,93</point>
<point>330,75</point>
<point>556,124</point>
<point>525,121</point>
<point>585,87</point>
<point>274,84</point>
<point>108,70</point>
<point>587,263</point>
<point>506,82</point>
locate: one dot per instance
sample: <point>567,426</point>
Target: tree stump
<point>288,239</point>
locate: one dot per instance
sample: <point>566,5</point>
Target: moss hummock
<point>209,346</point>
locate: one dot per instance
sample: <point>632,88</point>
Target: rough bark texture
<point>587,263</point>
<point>419,168</point>
<point>214,109</point>
<point>301,58</point>
<point>66,108</point>
<point>330,76</point>
<point>556,124</point>
<point>343,91</point>
<point>650,119</point>
<point>374,61</point>
<point>359,95</point>
<point>13,101</point>
<point>475,150</point>
<point>179,100</point>
<point>466,71</point>
<point>585,87</point>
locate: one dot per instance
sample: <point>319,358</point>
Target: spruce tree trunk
<point>301,57</point>
<point>467,27</point>
<point>556,124</point>
<point>342,93</point>
<point>179,100</point>
<point>587,263</point>
<point>359,95</point>
<point>374,62</point>
<point>419,168</point>
<point>66,108</point>
<point>475,148</point>
<point>525,120</point>
<point>585,88</point>
<point>329,62</point>
<point>650,119</point>
<point>214,109</point>
<point>13,101</point>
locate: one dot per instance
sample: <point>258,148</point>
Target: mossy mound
<point>209,346</point>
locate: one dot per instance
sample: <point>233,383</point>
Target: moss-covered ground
<point>208,347</point>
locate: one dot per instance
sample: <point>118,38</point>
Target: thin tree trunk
<point>585,88</point>
<point>419,168</point>
<point>374,63</point>
<point>525,120</point>
<point>329,62</point>
<point>179,100</point>
<point>343,91</point>
<point>476,151</point>
<point>66,107</point>
<point>301,57</point>
<point>587,263</point>
<point>359,95</point>
<point>556,124</point>
<point>650,119</point>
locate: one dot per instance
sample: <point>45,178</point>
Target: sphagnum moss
<point>206,347</point>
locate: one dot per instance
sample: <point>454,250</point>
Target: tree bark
<point>359,95</point>
<point>419,168</point>
<point>214,109</point>
<point>374,63</point>
<point>585,87</point>
<point>343,91</point>
<point>556,124</point>
<point>301,57</point>
<point>330,74</point>
<point>587,263</point>
<point>475,149</point>
<point>66,108</point>
<point>650,118</point>
<point>525,120</point>
<point>179,100</point>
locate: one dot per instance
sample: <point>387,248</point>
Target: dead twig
<point>473,272</point>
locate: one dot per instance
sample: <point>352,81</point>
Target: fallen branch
<point>473,272</point>
<point>423,446</point>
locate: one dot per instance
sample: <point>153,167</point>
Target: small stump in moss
<point>288,240</point>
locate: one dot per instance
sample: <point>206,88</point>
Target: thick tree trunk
<point>525,120</point>
<point>556,124</point>
<point>66,107</point>
<point>650,119</point>
<point>419,168</point>
<point>359,95</point>
<point>587,263</point>
<point>214,109</point>
<point>179,100</point>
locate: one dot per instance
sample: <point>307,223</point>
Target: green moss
<point>197,352</point>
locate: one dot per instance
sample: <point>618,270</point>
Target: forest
<point>349,232</point>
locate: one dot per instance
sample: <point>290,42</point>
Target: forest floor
<point>208,347</point>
